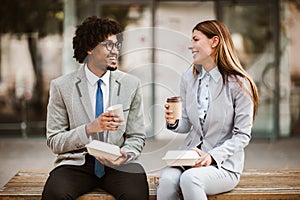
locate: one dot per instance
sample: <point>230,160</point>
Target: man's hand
<point>113,163</point>
<point>105,122</point>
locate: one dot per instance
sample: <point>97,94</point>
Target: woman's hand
<point>169,115</point>
<point>204,160</point>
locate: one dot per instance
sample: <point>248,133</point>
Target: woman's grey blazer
<point>228,123</point>
<point>69,110</point>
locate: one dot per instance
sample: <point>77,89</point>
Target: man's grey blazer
<point>69,110</point>
<point>228,123</point>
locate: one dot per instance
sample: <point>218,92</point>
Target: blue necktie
<point>99,169</point>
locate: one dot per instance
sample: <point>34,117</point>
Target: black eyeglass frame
<point>110,45</point>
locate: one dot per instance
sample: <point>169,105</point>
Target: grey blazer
<point>227,129</point>
<point>69,110</point>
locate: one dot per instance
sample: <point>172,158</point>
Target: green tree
<point>19,16</point>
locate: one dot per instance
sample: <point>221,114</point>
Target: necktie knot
<point>99,83</point>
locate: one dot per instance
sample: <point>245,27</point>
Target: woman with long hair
<point>220,101</point>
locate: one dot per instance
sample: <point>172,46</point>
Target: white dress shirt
<point>208,84</point>
<point>92,87</point>
<point>203,94</point>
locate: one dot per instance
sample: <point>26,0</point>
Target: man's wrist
<point>130,156</point>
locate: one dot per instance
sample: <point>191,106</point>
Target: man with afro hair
<point>77,114</point>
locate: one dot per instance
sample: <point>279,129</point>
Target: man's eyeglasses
<point>110,45</point>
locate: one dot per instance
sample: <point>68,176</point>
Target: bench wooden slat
<point>265,184</point>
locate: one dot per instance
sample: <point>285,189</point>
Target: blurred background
<point>36,47</point>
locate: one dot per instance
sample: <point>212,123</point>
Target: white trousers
<point>194,183</point>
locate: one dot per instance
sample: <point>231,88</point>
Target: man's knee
<point>57,194</point>
<point>134,195</point>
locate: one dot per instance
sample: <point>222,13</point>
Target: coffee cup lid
<point>174,99</point>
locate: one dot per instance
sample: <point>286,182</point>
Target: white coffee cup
<point>117,109</point>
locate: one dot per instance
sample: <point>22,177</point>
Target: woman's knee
<point>169,177</point>
<point>168,185</point>
<point>190,180</point>
<point>167,180</point>
<point>167,188</point>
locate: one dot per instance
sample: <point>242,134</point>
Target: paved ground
<point>20,154</point>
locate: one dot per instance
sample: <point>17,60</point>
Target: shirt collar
<point>202,73</point>
<point>214,73</point>
<point>93,79</point>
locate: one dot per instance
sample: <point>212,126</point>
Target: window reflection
<point>252,28</point>
<point>33,51</point>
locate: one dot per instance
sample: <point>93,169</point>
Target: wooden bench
<point>259,184</point>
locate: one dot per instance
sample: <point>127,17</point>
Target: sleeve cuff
<point>173,126</point>
<point>130,157</point>
<point>216,161</point>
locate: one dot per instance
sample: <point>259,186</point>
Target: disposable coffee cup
<point>175,104</point>
<point>117,109</point>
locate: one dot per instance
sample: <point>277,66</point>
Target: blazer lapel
<point>215,103</point>
<point>193,105</point>
<point>115,88</point>
<point>114,98</point>
<point>82,89</point>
